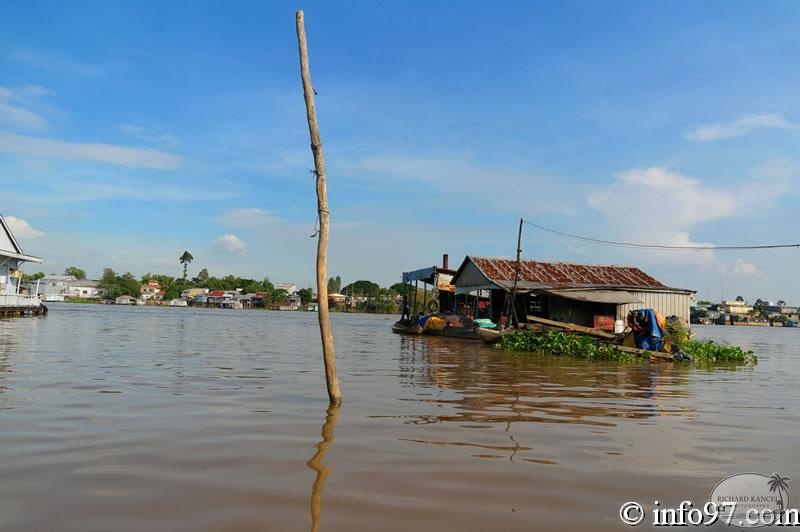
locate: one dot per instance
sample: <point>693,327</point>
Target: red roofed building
<point>572,293</point>
<point>151,290</point>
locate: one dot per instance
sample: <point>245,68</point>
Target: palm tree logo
<point>780,485</point>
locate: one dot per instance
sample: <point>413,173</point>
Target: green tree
<point>252,287</point>
<point>202,276</point>
<point>34,277</point>
<point>108,282</point>
<point>129,286</point>
<point>306,295</point>
<point>75,272</point>
<point>279,295</point>
<point>404,289</point>
<point>362,288</point>
<point>173,292</point>
<point>185,259</point>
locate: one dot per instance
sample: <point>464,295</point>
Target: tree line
<point>369,296</point>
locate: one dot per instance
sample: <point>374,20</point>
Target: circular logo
<point>752,500</point>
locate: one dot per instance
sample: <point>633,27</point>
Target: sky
<point>132,131</point>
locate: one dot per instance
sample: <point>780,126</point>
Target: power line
<point>658,246</point>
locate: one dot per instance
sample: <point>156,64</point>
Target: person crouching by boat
<point>647,327</point>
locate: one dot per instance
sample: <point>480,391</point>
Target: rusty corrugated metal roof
<point>563,274</point>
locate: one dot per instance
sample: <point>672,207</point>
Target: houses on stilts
<point>12,301</point>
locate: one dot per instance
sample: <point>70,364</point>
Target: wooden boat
<point>490,336</point>
<point>413,328</point>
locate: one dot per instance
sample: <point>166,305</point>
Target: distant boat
<point>179,302</point>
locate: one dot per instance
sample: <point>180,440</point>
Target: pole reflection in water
<point>323,471</point>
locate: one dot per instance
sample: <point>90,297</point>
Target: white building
<point>60,287</point>
<point>290,288</point>
<point>11,259</point>
<point>151,290</point>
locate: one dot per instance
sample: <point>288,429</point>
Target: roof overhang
<point>19,256</point>
<point>618,297</point>
<point>424,274</point>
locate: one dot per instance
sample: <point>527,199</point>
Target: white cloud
<point>139,132</point>
<point>739,128</point>
<point>12,114</point>
<point>96,152</point>
<point>55,62</point>
<point>229,244</point>
<point>657,206</point>
<point>745,268</point>
<point>455,178</point>
<point>22,229</point>
<point>251,217</point>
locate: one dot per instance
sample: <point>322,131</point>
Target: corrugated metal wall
<point>667,303</point>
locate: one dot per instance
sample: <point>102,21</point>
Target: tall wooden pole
<point>322,208</point>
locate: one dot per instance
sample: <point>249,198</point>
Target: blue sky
<point>132,131</point>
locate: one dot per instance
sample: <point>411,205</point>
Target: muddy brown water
<point>175,419</point>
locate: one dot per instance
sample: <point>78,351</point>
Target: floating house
<point>583,294</point>
<point>224,299</point>
<point>12,302</point>
<point>125,300</point>
<point>293,302</point>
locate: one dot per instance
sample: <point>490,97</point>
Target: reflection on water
<point>316,464</point>
<point>131,418</point>
<point>515,388</point>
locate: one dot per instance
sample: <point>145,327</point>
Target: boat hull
<point>413,329</point>
<point>490,336</point>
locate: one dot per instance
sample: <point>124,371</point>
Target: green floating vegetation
<point>709,351</point>
<point>581,346</point>
<point>561,343</point>
<point>706,351</point>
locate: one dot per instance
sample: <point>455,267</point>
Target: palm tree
<point>185,259</point>
<point>780,485</point>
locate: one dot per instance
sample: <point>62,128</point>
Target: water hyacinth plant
<point>710,351</point>
<point>707,351</point>
<point>581,346</point>
<point>561,343</point>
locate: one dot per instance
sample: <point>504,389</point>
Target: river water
<point>175,419</point>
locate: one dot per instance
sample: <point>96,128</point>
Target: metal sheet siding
<point>666,302</point>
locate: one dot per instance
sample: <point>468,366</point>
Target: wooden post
<point>322,208</point>
<point>516,275</point>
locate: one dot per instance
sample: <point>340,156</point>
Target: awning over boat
<point>425,275</point>
<point>618,297</point>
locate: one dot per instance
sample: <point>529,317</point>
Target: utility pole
<point>516,275</point>
<point>325,331</point>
